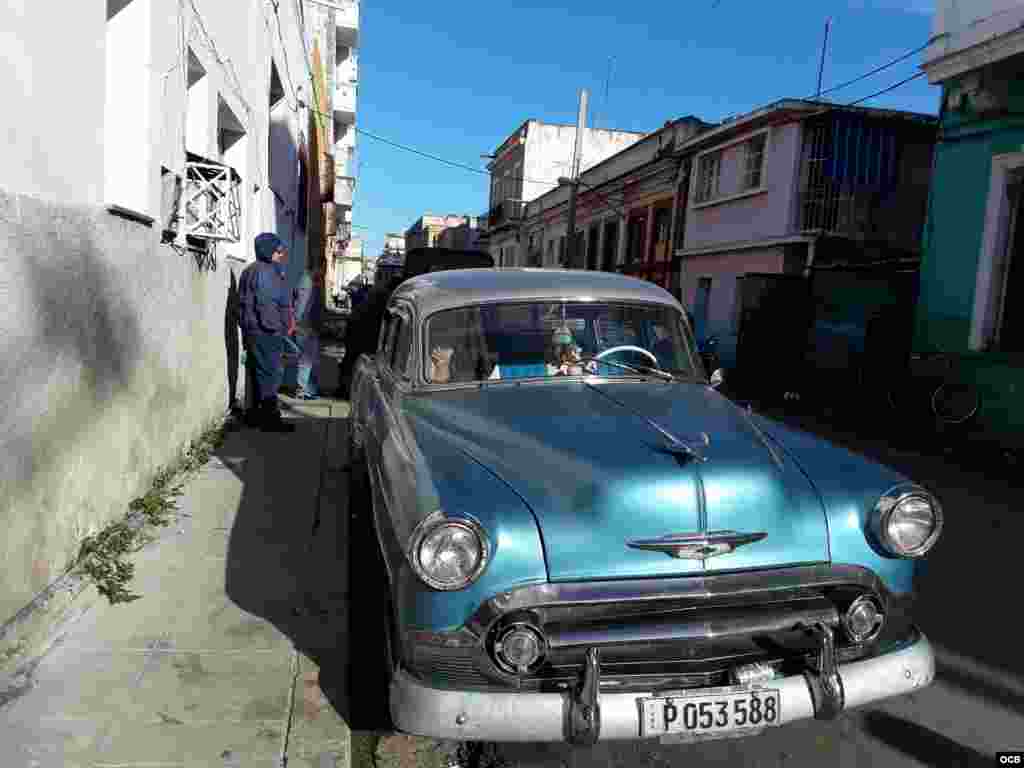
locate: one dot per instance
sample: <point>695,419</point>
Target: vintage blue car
<point>585,540</point>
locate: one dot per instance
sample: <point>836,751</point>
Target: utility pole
<point>821,66</point>
<point>581,124</point>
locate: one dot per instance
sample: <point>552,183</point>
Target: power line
<point>892,87</point>
<point>453,163</point>
<point>875,71</point>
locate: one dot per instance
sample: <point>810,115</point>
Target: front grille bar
<point>722,623</point>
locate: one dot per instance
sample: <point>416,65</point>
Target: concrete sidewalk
<point>235,654</point>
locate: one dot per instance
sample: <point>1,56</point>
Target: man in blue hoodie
<point>265,317</point>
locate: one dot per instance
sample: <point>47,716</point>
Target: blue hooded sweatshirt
<point>263,292</point>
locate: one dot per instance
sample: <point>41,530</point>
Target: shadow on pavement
<point>922,744</point>
<point>979,541</point>
<point>287,551</point>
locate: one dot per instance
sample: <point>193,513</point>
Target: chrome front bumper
<point>488,716</point>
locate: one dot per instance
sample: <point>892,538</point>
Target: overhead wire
<point>874,71</point>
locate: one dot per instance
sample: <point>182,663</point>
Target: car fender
<point>438,475</point>
<point>850,486</point>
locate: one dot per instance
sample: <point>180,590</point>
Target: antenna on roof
<point>607,85</point>
<point>821,66</point>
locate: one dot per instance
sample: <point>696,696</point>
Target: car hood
<point>596,474</point>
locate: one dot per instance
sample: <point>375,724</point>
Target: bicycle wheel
<point>955,403</point>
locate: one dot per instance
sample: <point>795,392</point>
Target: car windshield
<point>524,340</point>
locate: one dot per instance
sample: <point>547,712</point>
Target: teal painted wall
<point>952,242</point>
<point>950,253</point>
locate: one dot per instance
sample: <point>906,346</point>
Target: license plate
<point>737,710</point>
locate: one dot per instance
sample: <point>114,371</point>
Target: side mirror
<point>717,378</point>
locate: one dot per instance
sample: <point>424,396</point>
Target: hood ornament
<point>697,546</point>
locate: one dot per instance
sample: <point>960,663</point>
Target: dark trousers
<point>263,363</point>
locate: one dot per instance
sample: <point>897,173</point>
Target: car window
<point>401,347</point>
<point>540,339</point>
<point>387,337</point>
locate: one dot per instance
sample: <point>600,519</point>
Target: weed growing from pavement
<point>103,556</point>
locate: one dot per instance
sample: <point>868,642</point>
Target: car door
<point>374,392</point>
<point>362,393</point>
<point>395,453</point>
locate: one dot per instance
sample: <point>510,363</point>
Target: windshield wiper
<point>641,369</point>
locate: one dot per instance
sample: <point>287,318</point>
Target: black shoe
<point>271,420</point>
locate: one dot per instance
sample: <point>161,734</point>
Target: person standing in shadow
<point>265,315</point>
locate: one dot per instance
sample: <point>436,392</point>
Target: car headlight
<point>908,521</point>
<point>448,553</point>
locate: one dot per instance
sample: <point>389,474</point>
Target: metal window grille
<point>848,170</point>
<point>210,203</point>
<point>753,162</point>
<point>708,175</point>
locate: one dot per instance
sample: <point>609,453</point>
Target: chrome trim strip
<point>727,622</point>
<point>693,590</point>
<point>490,716</point>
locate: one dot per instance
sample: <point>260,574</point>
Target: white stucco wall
<point>963,24</point>
<point>549,151</point>
<point>110,338</point>
<point>993,28</point>
<point>52,80</point>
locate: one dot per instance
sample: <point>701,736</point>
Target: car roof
<point>461,287</point>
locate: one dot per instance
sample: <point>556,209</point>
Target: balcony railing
<point>504,213</point>
<point>210,203</point>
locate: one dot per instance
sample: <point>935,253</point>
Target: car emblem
<point>697,546</point>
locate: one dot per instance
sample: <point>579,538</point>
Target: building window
<point>709,171</point>
<point>592,240</point>
<point>753,162</point>
<point>637,234</point>
<point>662,220</point>
<point>611,246</point>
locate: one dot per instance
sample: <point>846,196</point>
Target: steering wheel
<point>627,348</point>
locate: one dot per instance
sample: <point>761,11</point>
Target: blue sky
<point>455,79</point>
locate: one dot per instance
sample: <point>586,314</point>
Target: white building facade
<point>147,143</point>
<point>529,163</point>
